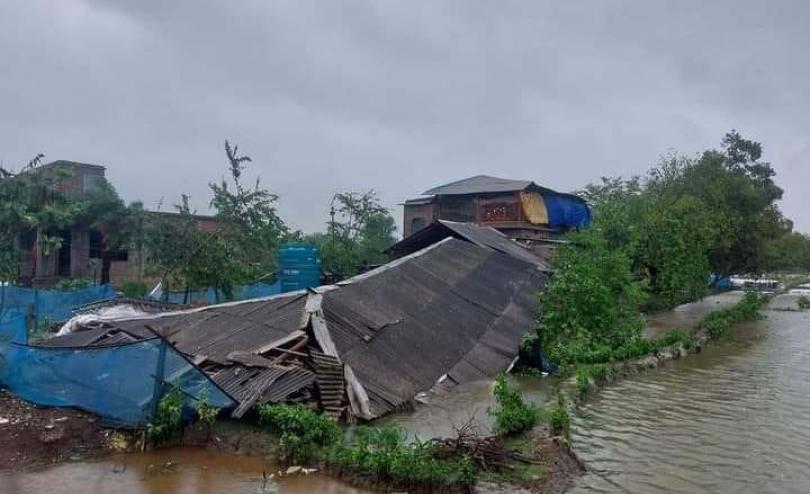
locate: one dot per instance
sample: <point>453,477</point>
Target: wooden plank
<point>281,341</point>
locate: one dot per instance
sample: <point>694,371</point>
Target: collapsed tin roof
<point>454,310</point>
<point>481,235</point>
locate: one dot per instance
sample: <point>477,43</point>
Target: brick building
<point>83,252</point>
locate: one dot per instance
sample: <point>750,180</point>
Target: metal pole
<point>159,375</point>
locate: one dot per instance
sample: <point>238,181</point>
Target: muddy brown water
<point>733,419</point>
<point>170,471</point>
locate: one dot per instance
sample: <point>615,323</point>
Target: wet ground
<point>732,419</point>
<point>170,471</point>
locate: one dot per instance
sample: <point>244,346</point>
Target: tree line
<point>241,248</point>
<point>656,241</point>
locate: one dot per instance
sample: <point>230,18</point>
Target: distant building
<point>531,214</point>
<point>83,252</point>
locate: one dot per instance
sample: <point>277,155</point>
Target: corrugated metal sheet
<point>456,308</point>
<point>147,306</point>
<point>331,383</point>
<point>294,380</point>
<point>218,330</point>
<point>483,236</point>
<point>478,184</point>
<point>489,237</point>
<point>254,386</point>
<point>246,384</point>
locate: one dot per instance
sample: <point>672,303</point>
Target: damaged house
<point>448,312</point>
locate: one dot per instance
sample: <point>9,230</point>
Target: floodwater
<point>733,419</point>
<point>170,471</point>
<point>442,413</point>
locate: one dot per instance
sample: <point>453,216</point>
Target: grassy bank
<point>522,452</point>
<point>603,364</point>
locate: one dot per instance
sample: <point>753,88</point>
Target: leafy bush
<point>558,419</point>
<point>512,414</point>
<point>677,337</point>
<point>72,284</point>
<point>718,323</point>
<point>168,420</point>
<point>591,302</point>
<point>303,432</point>
<point>582,381</point>
<point>206,413</point>
<point>134,289</point>
<point>804,302</point>
<point>587,372</point>
<point>384,454</point>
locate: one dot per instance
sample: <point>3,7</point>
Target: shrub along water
<point>718,323</point>
<point>512,414</point>
<point>304,435</point>
<point>384,455</point>
<point>167,424</point>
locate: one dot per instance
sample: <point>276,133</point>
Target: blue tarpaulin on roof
<point>566,211</point>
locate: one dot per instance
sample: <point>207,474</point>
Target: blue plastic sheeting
<point>53,304</point>
<point>566,211</point>
<point>209,296</point>
<point>115,382</point>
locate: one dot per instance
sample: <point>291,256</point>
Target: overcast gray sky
<point>399,96</point>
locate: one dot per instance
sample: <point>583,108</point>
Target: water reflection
<point>733,419</point>
<point>170,471</point>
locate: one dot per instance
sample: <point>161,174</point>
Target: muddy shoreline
<point>35,438</point>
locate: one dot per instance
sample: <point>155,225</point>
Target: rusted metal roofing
<point>454,308</point>
<point>483,236</point>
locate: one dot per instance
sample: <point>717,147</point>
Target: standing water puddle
<point>170,471</point>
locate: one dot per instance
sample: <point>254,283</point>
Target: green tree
<point>248,214</point>
<point>592,299</point>
<point>241,249</point>
<point>359,230</point>
<point>32,202</point>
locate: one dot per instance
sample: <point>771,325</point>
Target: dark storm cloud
<point>399,96</point>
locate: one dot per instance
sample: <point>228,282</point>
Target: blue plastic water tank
<point>299,267</point>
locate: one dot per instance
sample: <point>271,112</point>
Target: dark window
<point>96,244</point>
<point>63,269</point>
<point>417,224</point>
<point>457,209</point>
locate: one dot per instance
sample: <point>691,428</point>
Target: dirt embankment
<point>31,436</point>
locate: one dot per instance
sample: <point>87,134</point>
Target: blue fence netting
<point>54,305</point>
<point>210,296</point>
<point>121,383</point>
